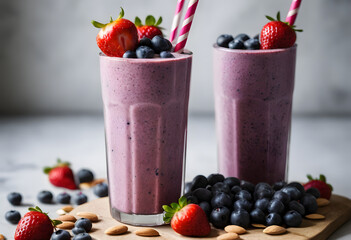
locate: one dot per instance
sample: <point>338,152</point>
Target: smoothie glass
<point>145,112</point>
<point>253,100</point>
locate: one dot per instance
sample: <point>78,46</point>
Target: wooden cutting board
<point>337,213</point>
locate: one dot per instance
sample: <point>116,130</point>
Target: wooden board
<point>337,213</point>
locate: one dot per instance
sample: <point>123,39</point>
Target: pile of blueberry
<point>241,41</point>
<point>149,47</point>
<point>81,228</point>
<point>232,201</point>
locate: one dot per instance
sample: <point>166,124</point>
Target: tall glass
<point>253,101</point>
<point>146,113</point>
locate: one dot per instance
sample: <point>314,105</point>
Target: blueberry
<point>187,188</point>
<point>63,198</point>
<point>85,175</point>
<point>298,186</point>
<point>263,193</point>
<point>101,190</point>
<point>279,185</point>
<point>242,204</point>
<point>261,186</point>
<point>192,199</point>
<point>166,54</point>
<point>199,181</point>
<point>206,207</point>
<point>145,52</point>
<point>257,216</point>
<point>257,36</point>
<point>215,178</point>
<point>252,44</point>
<point>129,54</point>
<point>13,216</point>
<point>82,236</point>
<point>314,191</point>
<point>293,192</point>
<point>80,198</point>
<point>276,206</point>
<point>243,194</point>
<point>262,204</point>
<point>298,207</point>
<point>221,200</point>
<point>14,198</point>
<point>224,39</point>
<point>282,196</point>
<point>160,44</point>
<point>236,44</point>
<point>145,42</point>
<point>235,189</point>
<point>45,197</point>
<point>273,219</point>
<point>77,230</point>
<point>202,194</point>
<point>60,235</point>
<point>241,218</point>
<point>292,219</point>
<point>242,37</point>
<point>84,223</point>
<point>245,185</point>
<point>310,203</point>
<point>220,217</point>
<point>231,182</point>
<point>220,187</point>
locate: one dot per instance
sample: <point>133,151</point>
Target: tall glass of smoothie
<point>253,100</point>
<point>145,111</point>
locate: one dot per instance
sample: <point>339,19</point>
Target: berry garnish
<point>61,175</point>
<point>160,44</point>
<point>278,34</point>
<point>321,184</point>
<point>14,198</point>
<point>166,54</point>
<point>145,52</point>
<point>224,39</point>
<point>150,29</point>
<point>129,54</point>
<point>187,219</point>
<point>117,36</point>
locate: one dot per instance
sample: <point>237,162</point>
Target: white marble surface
<point>318,145</point>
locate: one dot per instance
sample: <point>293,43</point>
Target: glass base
<point>136,219</point>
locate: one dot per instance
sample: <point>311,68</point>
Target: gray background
<point>49,58</point>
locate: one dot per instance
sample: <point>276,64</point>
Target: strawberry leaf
<point>183,202</point>
<point>150,20</point>
<point>121,14</point>
<point>159,21</point>
<point>55,222</point>
<point>47,170</point>
<point>322,178</point>
<point>138,22</point>
<point>175,206</point>
<point>111,19</point>
<point>298,30</point>
<point>278,16</point>
<point>309,177</point>
<point>270,18</point>
<point>168,209</point>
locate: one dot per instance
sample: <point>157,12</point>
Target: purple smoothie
<point>253,101</point>
<point>145,112</point>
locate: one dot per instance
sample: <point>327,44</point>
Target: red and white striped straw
<point>176,21</point>
<point>188,20</point>
<point>292,14</point>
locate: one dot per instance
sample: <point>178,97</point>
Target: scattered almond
<point>235,229</point>
<point>228,236</point>
<point>91,216</point>
<point>321,202</point>
<point>66,225</point>
<point>257,225</point>
<point>84,185</point>
<point>67,218</point>
<point>274,230</point>
<point>97,181</point>
<point>147,232</point>
<point>315,216</point>
<point>2,237</point>
<point>61,212</point>
<point>116,230</point>
<point>67,208</point>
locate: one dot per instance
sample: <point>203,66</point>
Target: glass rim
<point>259,51</point>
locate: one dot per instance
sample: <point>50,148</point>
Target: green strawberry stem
<point>149,21</point>
<point>101,25</point>
<point>173,208</point>
<point>37,209</point>
<point>279,20</point>
<point>60,163</point>
<point>321,178</point>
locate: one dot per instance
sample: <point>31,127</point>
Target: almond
<point>315,216</point>
<point>235,229</point>
<point>85,185</point>
<point>66,225</point>
<point>274,230</point>
<point>2,237</point>
<point>228,236</point>
<point>97,181</point>
<point>91,216</point>
<point>116,230</point>
<point>321,202</point>
<point>67,208</point>
<point>67,218</point>
<point>61,212</point>
<point>257,225</point>
<point>147,232</point>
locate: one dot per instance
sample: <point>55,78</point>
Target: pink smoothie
<point>253,101</point>
<point>146,111</point>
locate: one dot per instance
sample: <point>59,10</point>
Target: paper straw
<point>176,21</point>
<point>292,14</point>
<point>184,32</point>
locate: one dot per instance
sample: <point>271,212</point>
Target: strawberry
<point>35,225</point>
<point>61,175</point>
<point>117,37</point>
<point>321,184</point>
<point>277,34</point>
<point>187,219</point>
<point>150,29</point>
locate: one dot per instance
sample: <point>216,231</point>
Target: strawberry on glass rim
<point>150,29</point>
<point>117,36</point>
<point>278,34</point>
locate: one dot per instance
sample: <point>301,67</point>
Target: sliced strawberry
<point>321,184</point>
<point>150,29</point>
<point>117,37</point>
<point>61,175</point>
<point>187,219</point>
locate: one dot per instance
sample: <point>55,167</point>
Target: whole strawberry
<point>117,37</point>
<point>321,184</point>
<point>61,175</point>
<point>277,34</point>
<point>150,29</point>
<point>187,219</point>
<point>35,225</point>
